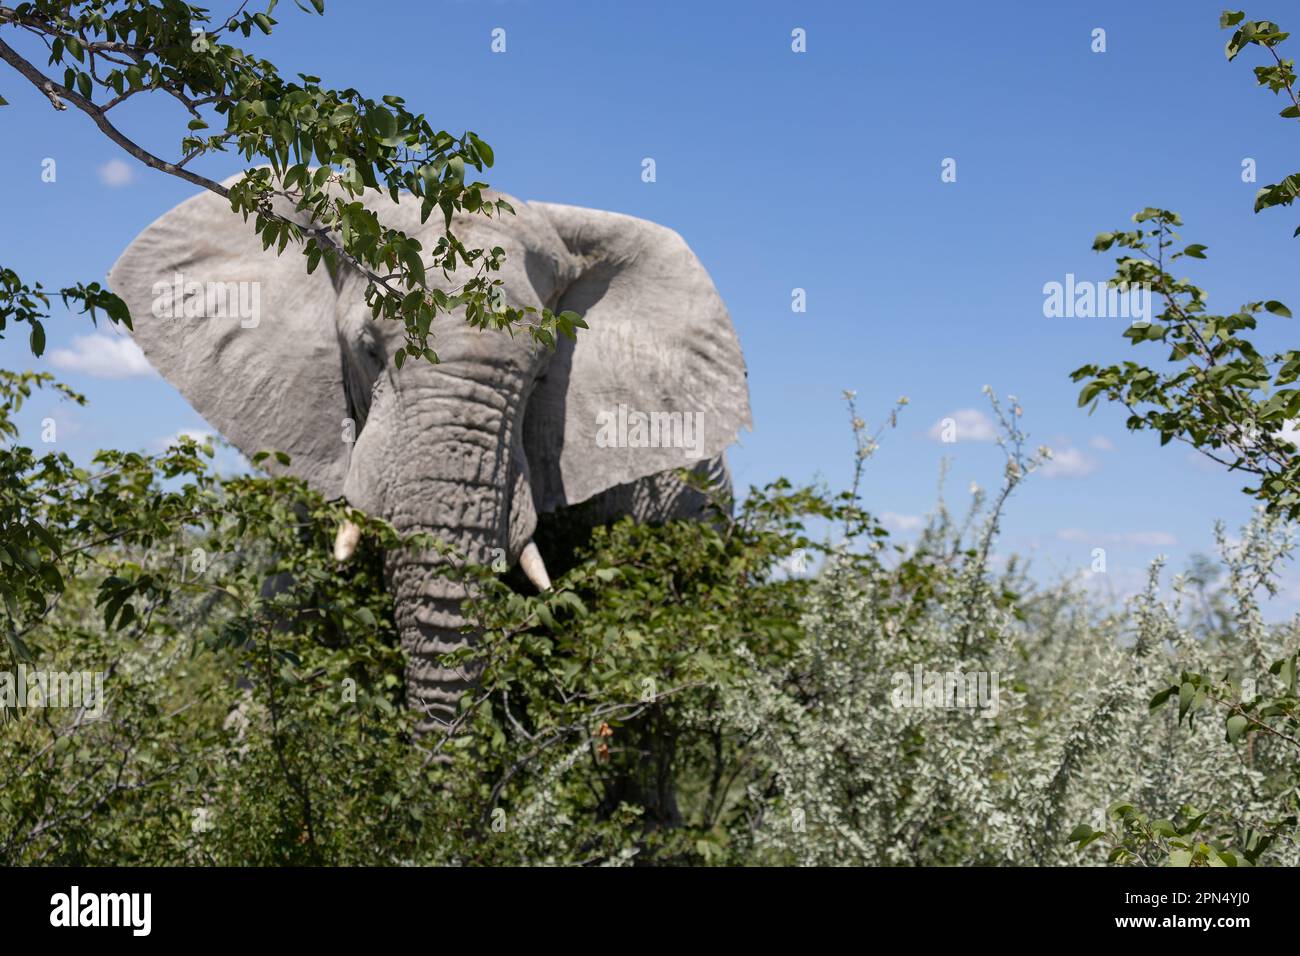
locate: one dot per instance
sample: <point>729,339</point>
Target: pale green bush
<point>858,779</point>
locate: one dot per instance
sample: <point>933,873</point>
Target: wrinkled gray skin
<point>473,449</point>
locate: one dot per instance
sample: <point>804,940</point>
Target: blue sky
<point>819,171</point>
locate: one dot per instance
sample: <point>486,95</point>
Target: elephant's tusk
<point>535,569</point>
<point>345,542</point>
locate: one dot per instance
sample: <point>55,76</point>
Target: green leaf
<point>483,149</point>
<point>1285,669</point>
<point>20,649</point>
<point>544,615</point>
<point>1236,725</point>
<point>1277,308</point>
<point>414,264</point>
<point>384,124</point>
<point>1160,698</point>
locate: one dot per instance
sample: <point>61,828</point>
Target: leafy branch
<point>114,50</point>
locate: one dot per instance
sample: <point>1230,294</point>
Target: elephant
<point>501,436</point>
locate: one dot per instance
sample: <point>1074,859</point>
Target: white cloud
<point>898,522</point>
<point>200,435</point>
<point>965,424</point>
<point>1069,463</point>
<point>1101,443</point>
<point>103,356</point>
<point>116,173</point>
<point>1137,539</point>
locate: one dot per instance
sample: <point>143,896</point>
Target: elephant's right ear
<point>247,336</point>
<point>655,383</point>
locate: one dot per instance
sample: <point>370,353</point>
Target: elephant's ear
<point>248,337</point>
<point>655,382</point>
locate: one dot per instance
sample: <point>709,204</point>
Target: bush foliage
<point>733,692</point>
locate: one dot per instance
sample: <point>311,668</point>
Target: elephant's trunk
<point>431,624</point>
<point>459,474</point>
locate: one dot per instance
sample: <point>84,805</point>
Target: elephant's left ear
<point>656,381</point>
<point>248,337</point>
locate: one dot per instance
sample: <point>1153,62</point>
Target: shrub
<point>739,691</point>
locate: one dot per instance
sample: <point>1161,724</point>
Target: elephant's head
<point>472,449</point>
